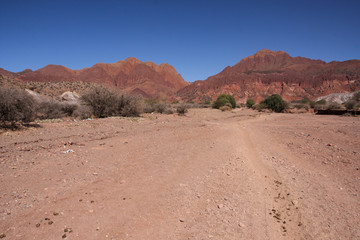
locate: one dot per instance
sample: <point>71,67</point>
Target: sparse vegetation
<point>105,103</point>
<point>182,108</point>
<point>275,103</point>
<point>354,102</point>
<point>223,100</point>
<point>225,108</point>
<point>250,102</point>
<point>161,107</point>
<point>16,106</point>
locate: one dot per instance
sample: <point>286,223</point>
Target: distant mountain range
<point>268,72</point>
<point>257,76</point>
<point>130,75</point>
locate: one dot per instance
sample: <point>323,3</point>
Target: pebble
<point>2,235</point>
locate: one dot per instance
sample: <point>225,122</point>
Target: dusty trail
<point>209,175</point>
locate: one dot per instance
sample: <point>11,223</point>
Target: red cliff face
<point>268,72</point>
<point>132,75</point>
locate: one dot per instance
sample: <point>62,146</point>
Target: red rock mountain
<point>131,75</point>
<point>268,72</point>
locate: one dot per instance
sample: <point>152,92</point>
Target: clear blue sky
<point>199,38</point>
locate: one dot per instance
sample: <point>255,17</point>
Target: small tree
<point>275,103</point>
<point>250,102</point>
<point>224,99</point>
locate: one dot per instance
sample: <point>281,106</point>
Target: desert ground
<point>206,175</point>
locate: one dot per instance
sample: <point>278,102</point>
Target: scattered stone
<point>37,225</point>
<point>68,230</point>
<point>47,219</point>
<point>2,235</point>
<point>50,222</point>
<point>241,225</point>
<point>182,220</point>
<point>55,214</point>
<point>68,151</point>
<point>63,236</point>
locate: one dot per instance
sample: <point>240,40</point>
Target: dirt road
<point>207,175</point>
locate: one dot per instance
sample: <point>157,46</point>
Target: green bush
<point>250,102</point>
<point>275,103</point>
<point>224,99</point>
<point>16,106</point>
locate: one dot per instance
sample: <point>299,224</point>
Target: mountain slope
<point>268,72</point>
<point>132,75</point>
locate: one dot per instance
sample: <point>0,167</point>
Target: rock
<point>2,235</point>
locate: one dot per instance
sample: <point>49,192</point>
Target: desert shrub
<point>161,107</point>
<point>104,103</point>
<point>16,106</point>
<point>321,102</point>
<point>82,112</point>
<point>312,104</point>
<point>223,99</point>
<point>260,106</point>
<point>68,108</point>
<point>49,110</point>
<point>302,106</point>
<point>334,106</point>
<point>304,100</point>
<point>350,104</point>
<point>182,108</point>
<point>225,108</point>
<point>129,106</point>
<point>250,102</point>
<point>354,102</point>
<point>275,103</point>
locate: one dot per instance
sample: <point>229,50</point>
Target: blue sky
<point>199,38</point>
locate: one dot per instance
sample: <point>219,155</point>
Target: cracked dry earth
<point>206,175</point>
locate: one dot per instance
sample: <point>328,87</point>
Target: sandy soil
<point>206,175</point>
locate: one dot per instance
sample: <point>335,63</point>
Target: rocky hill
<point>268,72</point>
<point>131,75</point>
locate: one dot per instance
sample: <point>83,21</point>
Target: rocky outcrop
<point>268,72</point>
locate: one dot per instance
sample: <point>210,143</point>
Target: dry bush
<point>161,107</point>
<point>49,110</point>
<point>182,108</point>
<point>105,103</point>
<point>101,100</point>
<point>129,106</point>
<point>16,106</point>
<point>225,108</point>
<point>82,112</point>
